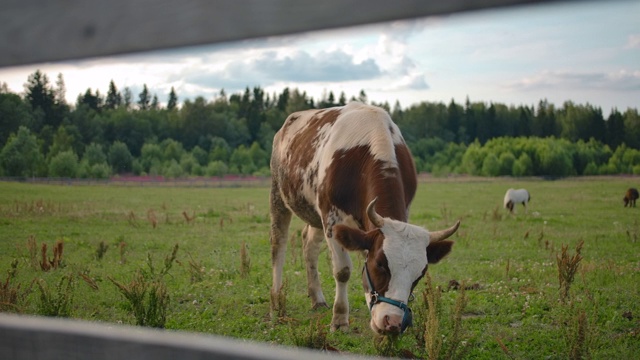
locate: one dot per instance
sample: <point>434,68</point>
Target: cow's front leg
<point>341,272</point>
<point>313,239</point>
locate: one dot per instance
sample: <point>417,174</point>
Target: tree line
<point>103,135</point>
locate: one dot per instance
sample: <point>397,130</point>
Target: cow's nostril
<point>392,324</point>
<point>386,321</point>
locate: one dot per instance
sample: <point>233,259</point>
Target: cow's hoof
<point>320,305</point>
<point>341,327</point>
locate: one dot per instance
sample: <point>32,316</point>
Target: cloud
<point>633,41</point>
<point>417,82</point>
<point>271,66</point>
<point>615,81</point>
<point>334,66</point>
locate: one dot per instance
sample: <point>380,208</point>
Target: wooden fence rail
<point>39,338</point>
<point>35,31</point>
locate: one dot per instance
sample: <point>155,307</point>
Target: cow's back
<point>329,155</point>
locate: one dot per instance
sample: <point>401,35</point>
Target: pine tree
<point>114,98</point>
<point>144,99</point>
<point>60,92</point>
<point>127,98</point>
<point>173,100</point>
<point>40,95</point>
<point>154,103</point>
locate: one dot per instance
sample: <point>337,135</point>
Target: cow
<point>348,174</point>
<point>513,197</point>
<point>630,197</point>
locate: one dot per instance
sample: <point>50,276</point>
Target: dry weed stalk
<point>45,263</point>
<point>632,234</point>
<point>445,212</point>
<point>123,251</point>
<point>496,214</point>
<point>577,340</point>
<point>504,348</point>
<point>189,219</point>
<point>442,342</point>
<point>222,220</point>
<point>196,269</point>
<point>133,219</point>
<point>170,259</point>
<point>432,337</point>
<point>101,250</point>
<point>245,261</point>
<point>168,263</point>
<point>153,219</point>
<point>90,281</point>
<point>312,337</point>
<point>507,268</point>
<point>279,302</point>
<point>567,268</point>
<point>9,294</point>
<point>541,236</point>
<point>455,340</point>
<point>32,247</point>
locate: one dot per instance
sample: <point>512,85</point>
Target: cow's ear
<point>438,250</point>
<point>352,239</point>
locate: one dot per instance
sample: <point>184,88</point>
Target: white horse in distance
<point>513,197</point>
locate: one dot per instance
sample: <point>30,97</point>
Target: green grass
<point>514,309</point>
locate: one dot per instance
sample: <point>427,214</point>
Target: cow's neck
<point>391,199</point>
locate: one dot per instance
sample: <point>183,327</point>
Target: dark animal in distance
<point>348,174</point>
<point>630,197</point>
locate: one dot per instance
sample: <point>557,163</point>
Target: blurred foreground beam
<point>28,338</point>
<point>35,31</point>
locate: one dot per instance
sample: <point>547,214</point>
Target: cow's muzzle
<point>407,318</point>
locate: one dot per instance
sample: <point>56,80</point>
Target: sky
<point>587,52</point>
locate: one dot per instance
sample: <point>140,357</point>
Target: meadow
<point>561,281</point>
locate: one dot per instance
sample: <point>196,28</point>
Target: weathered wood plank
<point>33,31</point>
<point>30,338</point>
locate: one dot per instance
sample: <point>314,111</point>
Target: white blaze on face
<point>405,247</point>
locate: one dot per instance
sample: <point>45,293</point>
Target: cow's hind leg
<point>313,239</point>
<point>280,220</point>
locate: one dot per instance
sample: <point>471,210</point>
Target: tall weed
<point>56,302</point>
<point>567,268</point>
<point>148,300</point>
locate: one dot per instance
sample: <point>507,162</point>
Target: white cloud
<point>615,81</point>
<point>633,41</point>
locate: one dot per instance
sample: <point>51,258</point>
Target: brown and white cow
<point>347,172</point>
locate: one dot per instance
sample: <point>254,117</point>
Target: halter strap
<point>407,319</point>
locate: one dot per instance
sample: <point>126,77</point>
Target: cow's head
<point>397,257</point>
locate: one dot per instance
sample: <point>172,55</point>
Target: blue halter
<point>407,319</point>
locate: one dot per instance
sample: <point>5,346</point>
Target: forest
<point>100,136</point>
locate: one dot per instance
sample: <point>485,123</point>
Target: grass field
<point>219,279</point>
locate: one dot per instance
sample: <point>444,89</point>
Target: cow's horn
<point>376,219</point>
<point>435,236</point>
